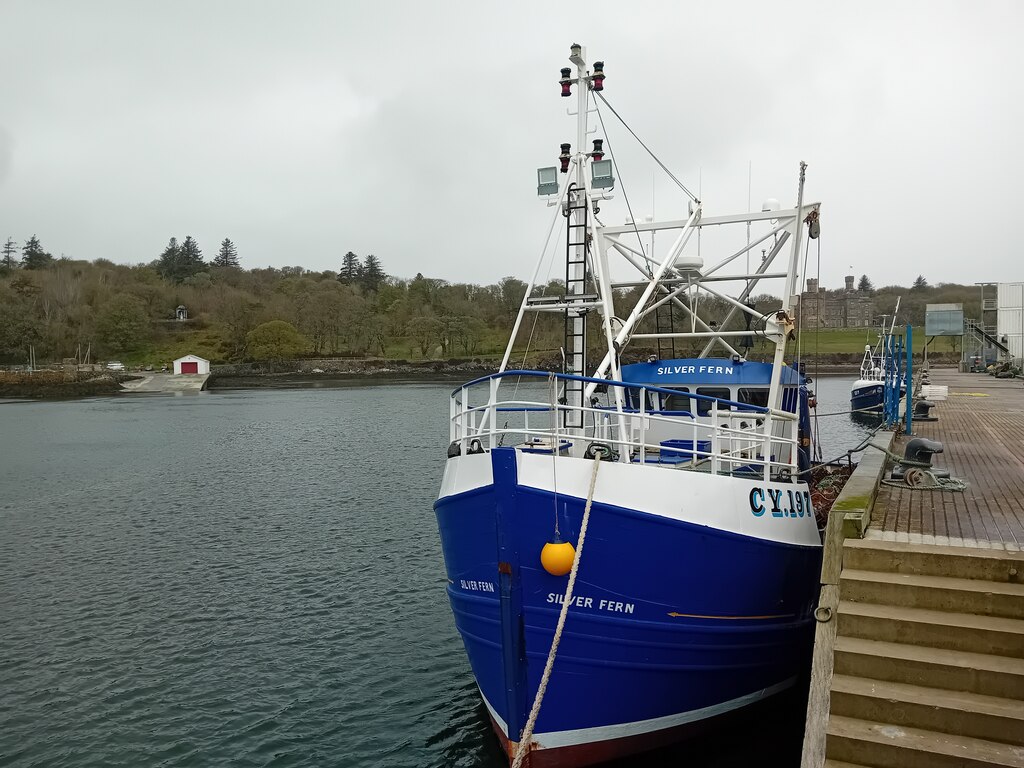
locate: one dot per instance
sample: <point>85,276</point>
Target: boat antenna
<point>750,172</point>
<point>671,175</point>
<point>618,176</point>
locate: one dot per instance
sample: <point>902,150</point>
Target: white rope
<point>524,741</point>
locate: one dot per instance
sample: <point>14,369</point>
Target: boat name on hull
<point>581,601</point>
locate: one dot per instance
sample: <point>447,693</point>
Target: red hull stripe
<point>587,746</point>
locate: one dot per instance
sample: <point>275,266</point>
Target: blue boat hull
<point>672,624</point>
<point>867,397</point>
<point>870,397</point>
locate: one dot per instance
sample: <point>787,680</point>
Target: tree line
<point>64,308</point>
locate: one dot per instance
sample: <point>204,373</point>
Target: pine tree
<point>9,262</point>
<point>191,257</point>
<point>169,263</point>
<point>227,256</point>
<point>372,274</point>
<point>33,256</point>
<point>351,269</point>
<point>919,283</point>
<point>865,284</point>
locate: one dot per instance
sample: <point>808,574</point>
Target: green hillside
<point>62,308</point>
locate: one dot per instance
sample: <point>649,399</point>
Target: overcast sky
<point>413,131</point>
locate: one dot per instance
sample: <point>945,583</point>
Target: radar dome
<point>691,263</point>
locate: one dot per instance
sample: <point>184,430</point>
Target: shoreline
<point>56,385</point>
<point>48,385</point>
<point>312,373</point>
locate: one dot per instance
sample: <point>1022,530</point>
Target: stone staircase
<point>928,659</point>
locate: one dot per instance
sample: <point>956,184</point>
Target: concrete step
<point>934,560</point>
<point>895,746</point>
<point>841,764</point>
<point>952,712</point>
<point>935,629</point>
<point>940,593</point>
<point>934,667</point>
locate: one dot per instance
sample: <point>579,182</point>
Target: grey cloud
<point>302,130</point>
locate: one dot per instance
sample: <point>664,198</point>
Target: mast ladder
<point>665,322</point>
<point>577,300</point>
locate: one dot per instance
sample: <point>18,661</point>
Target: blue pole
<point>885,381</point>
<point>890,350</point>
<point>886,387</point>
<point>894,417</point>
<point>910,377</point>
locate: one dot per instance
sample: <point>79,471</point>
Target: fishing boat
<point>866,393</point>
<point>630,547</point>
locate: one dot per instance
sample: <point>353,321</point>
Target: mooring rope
<point>954,484</point>
<point>524,741</point>
<point>847,413</point>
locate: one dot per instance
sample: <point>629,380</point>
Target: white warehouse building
<point>1010,317</point>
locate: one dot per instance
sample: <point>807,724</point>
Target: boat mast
<point>782,324</point>
<point>577,251</point>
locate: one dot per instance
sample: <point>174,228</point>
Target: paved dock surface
<point>167,382</point>
<point>981,425</point>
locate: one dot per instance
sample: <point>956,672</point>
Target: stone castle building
<point>847,308</point>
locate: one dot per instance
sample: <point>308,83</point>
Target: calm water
<point>253,579</point>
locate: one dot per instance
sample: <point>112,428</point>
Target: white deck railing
<point>732,438</point>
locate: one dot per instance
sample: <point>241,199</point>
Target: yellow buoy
<point>557,557</point>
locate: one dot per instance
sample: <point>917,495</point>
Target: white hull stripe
<point>558,739</point>
<point>719,502</point>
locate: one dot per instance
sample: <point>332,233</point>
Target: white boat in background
<point>866,393</point>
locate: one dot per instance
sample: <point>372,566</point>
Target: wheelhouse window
<point>704,406</point>
<point>753,396</point>
<point>633,399</point>
<point>679,402</point>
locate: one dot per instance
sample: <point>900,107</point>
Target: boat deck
<point>981,426</point>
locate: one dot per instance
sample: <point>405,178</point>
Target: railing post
<point>467,421</point>
<point>492,411</point>
<point>643,425</point>
<point>453,413</point>
<point>714,437</point>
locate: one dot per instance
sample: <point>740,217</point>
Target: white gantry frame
<point>665,280</point>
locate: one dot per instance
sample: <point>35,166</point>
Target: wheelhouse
<point>737,385</point>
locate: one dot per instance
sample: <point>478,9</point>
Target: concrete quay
<point>919,649</point>
<point>981,425</point>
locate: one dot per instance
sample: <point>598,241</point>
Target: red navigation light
<point>598,77</point>
<point>598,152</point>
<point>566,82</point>
<point>564,158</point>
